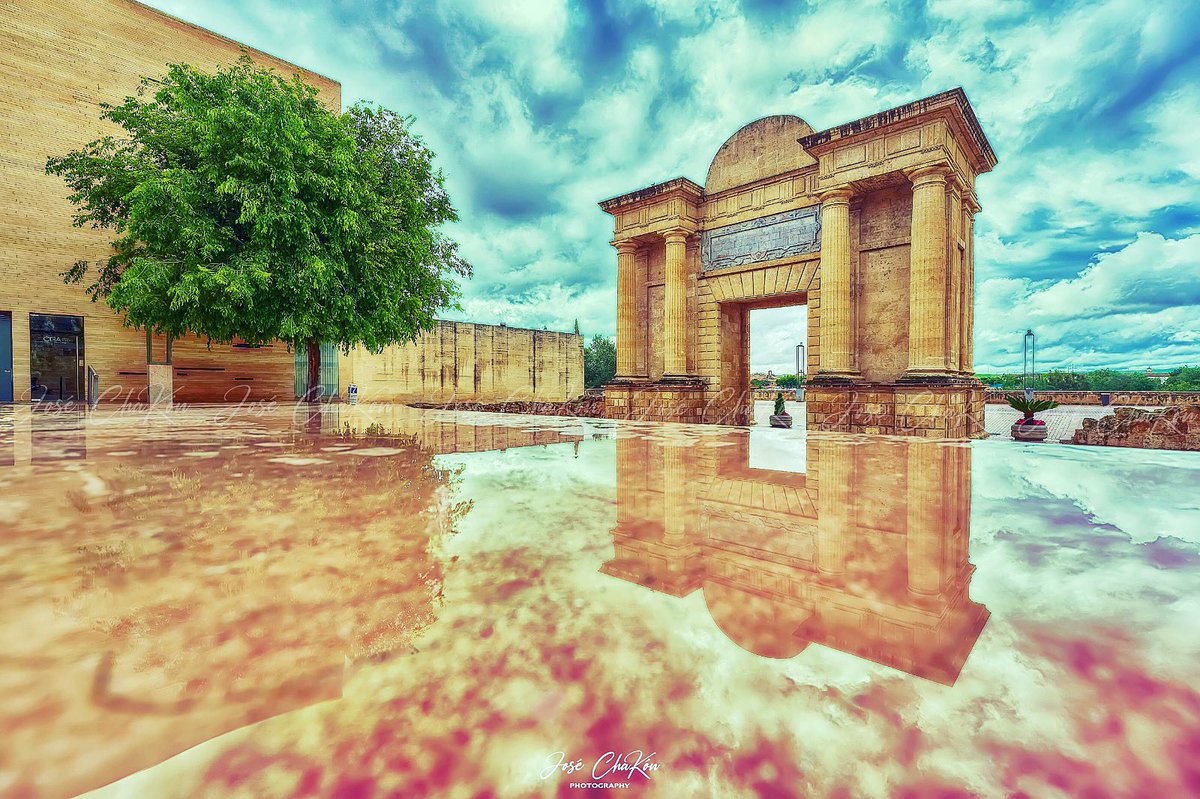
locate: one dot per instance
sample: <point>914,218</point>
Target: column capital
<point>837,196</point>
<point>931,173</point>
<point>625,246</point>
<point>972,204</point>
<point>676,234</point>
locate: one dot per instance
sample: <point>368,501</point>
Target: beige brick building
<point>58,61</point>
<point>870,225</point>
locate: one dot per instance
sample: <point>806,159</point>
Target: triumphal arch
<point>870,225</point>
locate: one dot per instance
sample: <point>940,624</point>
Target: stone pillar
<point>966,353</point>
<point>675,305</point>
<point>160,383</point>
<point>627,321</point>
<point>954,278</point>
<point>927,356</point>
<point>927,522</point>
<point>837,334</point>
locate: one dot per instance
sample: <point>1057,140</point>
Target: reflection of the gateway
<point>866,552</point>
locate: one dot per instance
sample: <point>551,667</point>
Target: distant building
<point>766,378</point>
<point>1159,376</point>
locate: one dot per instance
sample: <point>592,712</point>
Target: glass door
<point>56,358</point>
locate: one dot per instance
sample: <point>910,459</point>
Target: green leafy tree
<point>243,208</point>
<point>787,381</point>
<point>1061,381</point>
<point>1185,378</point>
<point>599,362</point>
<point>1112,380</point>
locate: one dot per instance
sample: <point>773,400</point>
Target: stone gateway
<point>870,225</point>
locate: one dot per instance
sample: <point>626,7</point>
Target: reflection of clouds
<point>1072,536</point>
<point>1079,682</point>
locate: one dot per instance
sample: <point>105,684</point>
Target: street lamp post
<point>801,361</point>
<point>1029,362</point>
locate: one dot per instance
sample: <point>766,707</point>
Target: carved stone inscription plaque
<point>767,238</point>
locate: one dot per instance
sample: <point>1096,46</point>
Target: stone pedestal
<point>680,400</point>
<point>161,377</point>
<point>942,410</point>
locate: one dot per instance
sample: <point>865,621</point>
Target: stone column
<point>954,268</point>
<point>675,305</point>
<point>927,523</point>
<point>837,334</point>
<point>627,321</point>
<point>927,275</point>
<point>966,353</point>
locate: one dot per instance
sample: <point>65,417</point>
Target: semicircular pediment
<point>762,149</point>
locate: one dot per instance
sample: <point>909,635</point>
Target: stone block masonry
<point>466,362</point>
<point>869,225</point>
<point>1170,428</point>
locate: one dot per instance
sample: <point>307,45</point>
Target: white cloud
<point>537,110</point>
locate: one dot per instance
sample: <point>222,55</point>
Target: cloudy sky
<point>1091,225</point>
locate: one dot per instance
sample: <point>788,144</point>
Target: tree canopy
<point>245,209</point>
<point>1185,378</point>
<point>599,362</point>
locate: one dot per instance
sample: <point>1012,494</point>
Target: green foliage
<point>1030,406</point>
<point>787,381</point>
<point>1112,380</point>
<point>780,409</point>
<point>243,208</point>
<point>599,362</point>
<point>756,383</point>
<point>1185,378</point>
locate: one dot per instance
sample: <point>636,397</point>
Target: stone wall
<point>464,362</point>
<point>952,411</point>
<point>1170,428</point>
<point>61,59</point>
<point>1154,399</point>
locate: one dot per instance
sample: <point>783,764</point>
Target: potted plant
<point>1028,428</point>
<point>781,418</point>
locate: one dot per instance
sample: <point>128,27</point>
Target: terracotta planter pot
<point>1029,432</point>
<point>782,420</point>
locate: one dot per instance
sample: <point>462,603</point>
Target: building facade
<point>869,225</point>
<point>60,60</point>
<point>458,362</point>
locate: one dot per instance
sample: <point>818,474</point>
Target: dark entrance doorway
<point>6,359</point>
<point>56,358</point>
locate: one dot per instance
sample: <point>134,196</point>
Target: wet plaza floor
<point>377,601</point>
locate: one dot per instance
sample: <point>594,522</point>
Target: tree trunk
<point>314,371</point>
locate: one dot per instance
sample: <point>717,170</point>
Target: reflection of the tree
<point>203,581</point>
<point>865,552</point>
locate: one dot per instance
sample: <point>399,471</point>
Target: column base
<point>932,409</point>
<point>926,377</point>
<point>834,379</point>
